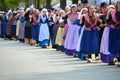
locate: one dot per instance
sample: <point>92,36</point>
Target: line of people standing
<point>80,30</point>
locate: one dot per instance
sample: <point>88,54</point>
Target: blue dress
<point>90,42</point>
<point>13,29</point>
<point>114,37</point>
<point>35,31</point>
<point>4,23</point>
<point>44,33</point>
<point>114,42</point>
<point>90,39</point>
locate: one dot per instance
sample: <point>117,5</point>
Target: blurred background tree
<point>14,4</point>
<point>75,1</point>
<point>62,3</point>
<point>48,4</point>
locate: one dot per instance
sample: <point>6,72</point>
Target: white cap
<point>31,7</point>
<point>62,11</point>
<point>44,9</point>
<point>27,9</point>
<point>73,5</point>
<point>10,11</point>
<point>14,11</point>
<point>22,8</point>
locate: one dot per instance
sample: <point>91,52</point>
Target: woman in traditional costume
<point>18,23</point>
<point>105,54</point>
<point>54,22</point>
<point>80,55</point>
<point>90,39</point>
<point>8,29</point>
<point>60,31</point>
<point>114,34</point>
<point>28,27</point>
<point>35,27</point>
<point>52,15</point>
<point>14,23</point>
<point>72,32</point>
<point>19,13</point>
<point>21,34</point>
<point>67,11</point>
<point>44,35</point>
<point>3,25</point>
<point>102,15</point>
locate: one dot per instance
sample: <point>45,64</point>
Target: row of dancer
<point>80,30</point>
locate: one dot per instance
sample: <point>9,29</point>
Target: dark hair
<point>53,9</point>
<point>117,4</point>
<point>14,14</point>
<point>84,1</point>
<point>103,4</point>
<point>40,9</point>
<point>49,10</point>
<point>79,4</point>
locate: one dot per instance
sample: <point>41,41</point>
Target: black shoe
<point>74,55</point>
<point>111,63</point>
<point>44,47</point>
<point>31,44</point>
<point>54,47</point>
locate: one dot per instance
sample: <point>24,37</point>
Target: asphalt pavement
<point>20,61</point>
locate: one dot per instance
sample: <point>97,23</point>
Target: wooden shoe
<point>89,60</point>
<point>37,45</point>
<point>111,63</point>
<point>118,64</point>
<point>74,55</point>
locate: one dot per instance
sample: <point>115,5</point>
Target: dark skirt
<point>90,42</point>
<point>3,29</point>
<point>51,29</point>
<point>35,32</point>
<point>114,42</point>
<point>28,32</point>
<point>58,48</point>
<point>54,33</point>
<point>13,30</point>
<point>106,58</point>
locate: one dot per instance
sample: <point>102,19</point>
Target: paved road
<point>20,61</point>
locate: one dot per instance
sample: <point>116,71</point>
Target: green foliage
<point>42,1</point>
<point>2,4</point>
<point>9,4</point>
<point>12,4</point>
